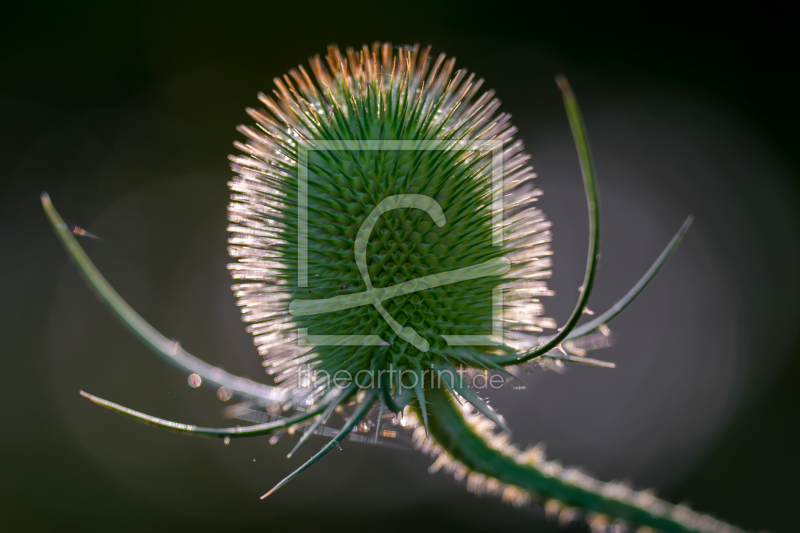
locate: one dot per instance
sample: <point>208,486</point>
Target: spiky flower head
<point>359,145</point>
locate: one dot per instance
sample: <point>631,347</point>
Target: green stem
<point>456,436</point>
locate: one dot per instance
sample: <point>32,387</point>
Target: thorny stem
<point>455,435</point>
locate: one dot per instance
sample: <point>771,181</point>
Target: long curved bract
<point>199,431</point>
<point>605,318</point>
<point>167,349</point>
<point>570,331</point>
<point>590,184</point>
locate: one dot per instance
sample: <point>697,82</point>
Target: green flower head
<point>383,217</point>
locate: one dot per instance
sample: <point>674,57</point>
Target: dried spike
<point>355,65</point>
<point>386,56</point>
<point>413,56</point>
<point>435,69</point>
<point>312,88</point>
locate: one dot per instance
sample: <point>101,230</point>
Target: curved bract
<point>169,350</point>
<point>198,431</point>
<point>590,184</point>
<point>383,227</point>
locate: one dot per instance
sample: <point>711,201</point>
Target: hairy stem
<point>454,433</point>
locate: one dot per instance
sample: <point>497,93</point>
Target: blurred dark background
<point>125,115</point>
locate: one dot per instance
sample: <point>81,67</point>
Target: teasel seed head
<point>306,162</point>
